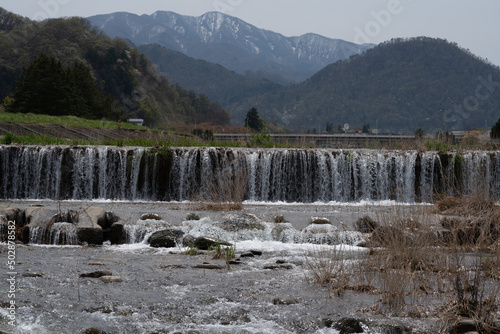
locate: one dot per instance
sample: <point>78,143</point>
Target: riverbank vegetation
<point>186,135</point>
<point>199,138</point>
<point>30,118</point>
<point>425,262</point>
<point>204,135</point>
<point>171,141</point>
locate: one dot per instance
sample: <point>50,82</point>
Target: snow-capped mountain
<point>231,42</point>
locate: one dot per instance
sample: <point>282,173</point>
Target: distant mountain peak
<point>231,42</point>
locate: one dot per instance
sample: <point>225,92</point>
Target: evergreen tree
<point>45,87</point>
<point>329,127</point>
<point>253,120</point>
<point>41,88</point>
<point>495,130</point>
<point>366,128</point>
<point>92,103</point>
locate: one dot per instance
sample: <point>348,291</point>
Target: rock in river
<point>97,274</point>
<point>166,238</point>
<point>206,243</point>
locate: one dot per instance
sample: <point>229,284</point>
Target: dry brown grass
<point>467,205</point>
<point>491,265</point>
<point>475,294</point>
<point>413,262</point>
<point>447,203</point>
<point>403,258</point>
<point>422,264</point>
<point>473,220</point>
<point>472,258</point>
<point>327,265</point>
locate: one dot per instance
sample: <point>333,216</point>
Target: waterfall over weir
<point>271,175</point>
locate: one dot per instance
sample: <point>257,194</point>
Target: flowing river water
<point>161,291</point>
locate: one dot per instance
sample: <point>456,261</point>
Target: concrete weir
<point>264,175</point>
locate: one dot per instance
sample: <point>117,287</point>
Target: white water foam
<point>335,203</point>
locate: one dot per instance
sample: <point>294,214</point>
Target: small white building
<point>136,121</point>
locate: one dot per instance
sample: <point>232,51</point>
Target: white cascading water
<point>134,173</point>
<point>428,159</point>
<point>83,176</point>
<point>58,234</point>
<point>289,175</point>
<point>140,231</point>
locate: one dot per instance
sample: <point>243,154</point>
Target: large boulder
<point>117,235</point>
<point>39,216</point>
<point>90,235</point>
<point>83,220</point>
<point>110,234</point>
<point>97,216</point>
<point>10,213</point>
<point>320,221</point>
<point>206,243</point>
<point>150,216</point>
<point>348,326</point>
<point>88,229</point>
<point>320,234</point>
<point>167,238</point>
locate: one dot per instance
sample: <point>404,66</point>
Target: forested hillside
<point>215,81</point>
<point>399,85</point>
<point>119,70</point>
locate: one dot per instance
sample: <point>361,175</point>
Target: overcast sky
<point>474,25</point>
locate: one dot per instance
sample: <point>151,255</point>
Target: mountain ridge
<point>401,85</point>
<point>246,47</point>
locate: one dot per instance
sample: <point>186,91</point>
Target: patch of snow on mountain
<point>180,30</point>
